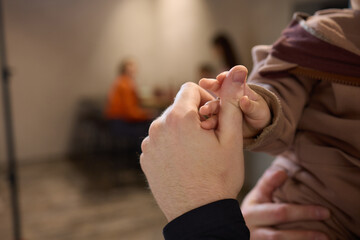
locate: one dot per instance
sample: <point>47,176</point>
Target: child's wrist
<point>252,132</point>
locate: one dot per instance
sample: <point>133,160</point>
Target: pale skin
<point>256,111</point>
<point>259,211</point>
<point>188,166</point>
<point>355,4</point>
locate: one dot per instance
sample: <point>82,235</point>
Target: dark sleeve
<point>217,220</point>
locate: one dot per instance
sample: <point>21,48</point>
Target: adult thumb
<point>230,115</point>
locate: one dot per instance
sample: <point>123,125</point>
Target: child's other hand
<point>255,109</point>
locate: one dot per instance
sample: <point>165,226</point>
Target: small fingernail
<point>238,76</point>
<point>276,168</point>
<point>322,213</point>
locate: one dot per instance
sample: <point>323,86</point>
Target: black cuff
<point>222,219</point>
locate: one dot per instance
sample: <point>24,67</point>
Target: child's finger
<point>213,85</point>
<point>210,123</point>
<point>210,84</point>
<point>256,113</point>
<point>250,108</point>
<point>210,108</point>
<point>250,93</point>
<point>221,77</point>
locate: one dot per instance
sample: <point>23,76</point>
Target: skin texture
<point>256,111</point>
<point>187,166</point>
<point>259,211</point>
<point>355,4</point>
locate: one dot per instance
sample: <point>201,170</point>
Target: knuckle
<point>246,212</point>
<point>144,144</point>
<point>274,235</point>
<point>203,79</point>
<point>309,212</point>
<point>178,120</point>
<point>266,234</point>
<point>191,115</point>
<point>178,117</point>
<point>281,213</point>
<point>314,235</point>
<point>154,127</point>
<point>188,85</point>
<point>172,118</point>
<point>214,105</point>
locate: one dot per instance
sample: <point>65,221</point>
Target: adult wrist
<point>194,201</point>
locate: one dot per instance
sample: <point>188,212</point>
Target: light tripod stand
<point>9,136</point>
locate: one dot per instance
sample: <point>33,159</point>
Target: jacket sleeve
<point>286,95</point>
<point>217,220</point>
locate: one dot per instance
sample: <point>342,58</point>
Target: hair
<point>123,65</point>
<point>207,69</point>
<point>222,41</point>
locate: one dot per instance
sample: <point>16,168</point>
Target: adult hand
<point>187,166</point>
<point>260,213</point>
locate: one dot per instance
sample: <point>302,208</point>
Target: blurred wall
<point>63,50</point>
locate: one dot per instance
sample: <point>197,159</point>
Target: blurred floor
<point>82,200</point>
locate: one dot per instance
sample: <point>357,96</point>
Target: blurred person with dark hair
<point>206,71</point>
<point>224,49</point>
<point>299,105</point>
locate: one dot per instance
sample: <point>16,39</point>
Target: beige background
<point>63,50</point>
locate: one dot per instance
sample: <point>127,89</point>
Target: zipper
<point>331,77</point>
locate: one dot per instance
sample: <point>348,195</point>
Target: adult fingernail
<point>238,76</point>
<point>322,213</point>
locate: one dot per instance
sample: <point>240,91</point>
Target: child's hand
<point>255,109</point>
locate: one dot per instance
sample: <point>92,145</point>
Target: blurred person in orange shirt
<point>123,102</point>
<point>126,116</point>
